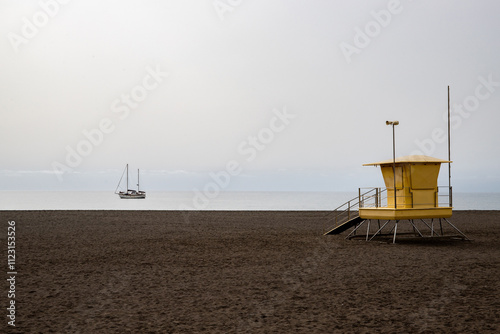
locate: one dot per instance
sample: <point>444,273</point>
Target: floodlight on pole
<point>393,123</point>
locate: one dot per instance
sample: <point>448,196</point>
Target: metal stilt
<point>368,230</point>
<point>415,228</point>
<point>380,229</point>
<point>392,228</point>
<point>395,231</point>
<point>414,231</point>
<point>446,220</point>
<point>430,227</point>
<point>354,231</point>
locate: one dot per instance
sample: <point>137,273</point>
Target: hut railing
<point>445,196</point>
<point>377,198</point>
<point>372,197</point>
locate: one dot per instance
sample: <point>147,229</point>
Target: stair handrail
<point>347,210</point>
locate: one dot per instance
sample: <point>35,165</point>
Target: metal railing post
<point>349,210</point>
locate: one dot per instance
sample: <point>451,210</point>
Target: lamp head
<point>391,122</point>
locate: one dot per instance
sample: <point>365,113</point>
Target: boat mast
<point>137,179</point>
<point>127,177</point>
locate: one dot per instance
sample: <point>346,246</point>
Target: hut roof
<point>409,159</point>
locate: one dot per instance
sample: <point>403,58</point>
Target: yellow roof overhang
<point>409,159</point>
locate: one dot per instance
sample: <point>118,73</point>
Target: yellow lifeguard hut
<point>411,194</point>
<point>416,190</point>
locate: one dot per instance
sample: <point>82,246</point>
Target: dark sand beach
<point>245,272</point>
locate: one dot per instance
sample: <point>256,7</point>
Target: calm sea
<point>315,201</point>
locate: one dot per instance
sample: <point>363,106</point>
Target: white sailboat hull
<point>132,194</point>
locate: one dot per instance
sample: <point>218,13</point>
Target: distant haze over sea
<point>294,201</point>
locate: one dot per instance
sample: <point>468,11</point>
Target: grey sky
<point>236,69</point>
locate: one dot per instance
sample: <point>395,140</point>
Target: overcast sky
<point>279,95</point>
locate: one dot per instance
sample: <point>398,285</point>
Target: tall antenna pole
<point>394,164</point>
<point>449,152</point>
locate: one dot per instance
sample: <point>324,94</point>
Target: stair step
<point>342,227</point>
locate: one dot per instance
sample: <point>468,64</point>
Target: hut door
<point>400,192</point>
<point>388,174</point>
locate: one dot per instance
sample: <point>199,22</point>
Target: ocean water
<point>260,201</point>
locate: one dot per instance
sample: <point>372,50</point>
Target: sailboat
<point>130,193</point>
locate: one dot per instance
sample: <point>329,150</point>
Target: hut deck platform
<point>388,213</point>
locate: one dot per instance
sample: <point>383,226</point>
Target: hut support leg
<point>355,229</point>
<point>430,227</point>
<point>446,220</point>
<point>392,229</point>
<point>395,231</point>
<point>378,231</point>
<point>368,230</point>
<point>415,228</point>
